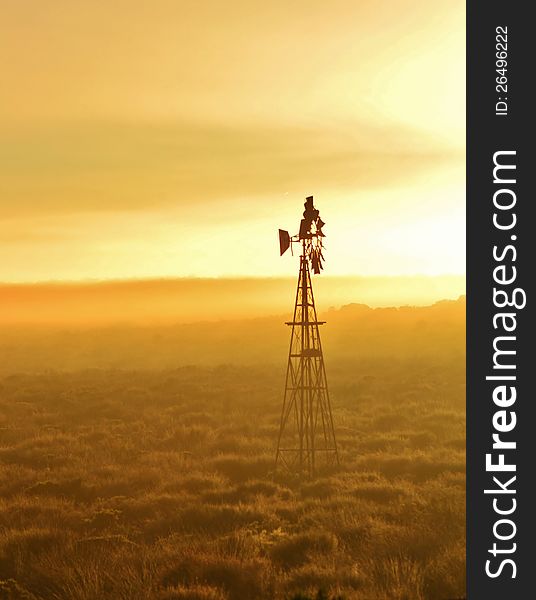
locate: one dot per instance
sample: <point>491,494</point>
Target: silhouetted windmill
<point>306,433</point>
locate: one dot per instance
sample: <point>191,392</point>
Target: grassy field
<point>158,484</point>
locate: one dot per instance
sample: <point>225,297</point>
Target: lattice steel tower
<point>306,434</point>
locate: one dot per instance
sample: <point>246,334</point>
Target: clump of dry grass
<point>300,548</point>
<point>10,589</point>
<point>193,592</point>
<point>396,578</point>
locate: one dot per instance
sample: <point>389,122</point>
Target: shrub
<point>239,578</point>
<point>242,468</point>
<point>19,548</point>
<point>194,592</point>
<point>444,576</point>
<point>298,549</point>
<point>11,590</point>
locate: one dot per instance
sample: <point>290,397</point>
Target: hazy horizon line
<point>167,279</point>
<point>230,319</point>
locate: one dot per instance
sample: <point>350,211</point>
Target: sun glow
<point>175,142</point>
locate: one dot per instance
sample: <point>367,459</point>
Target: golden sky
<point>172,138</point>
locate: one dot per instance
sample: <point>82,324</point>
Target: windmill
<point>306,433</point>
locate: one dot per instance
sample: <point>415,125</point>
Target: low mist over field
<point>165,301</point>
<point>353,332</point>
